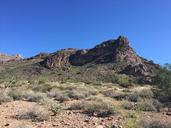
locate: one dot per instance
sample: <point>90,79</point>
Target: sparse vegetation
<point>36,113</point>
<point>153,124</point>
<point>28,95</point>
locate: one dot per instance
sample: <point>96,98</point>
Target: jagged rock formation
<point>110,51</point>
<point>60,59</point>
<point>117,52</point>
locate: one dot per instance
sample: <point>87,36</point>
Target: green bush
<point>163,82</point>
<point>122,80</point>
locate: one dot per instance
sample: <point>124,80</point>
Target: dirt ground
<point>65,119</point>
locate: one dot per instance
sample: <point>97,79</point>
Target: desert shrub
<point>157,104</point>
<point>52,105</point>
<point>58,95</point>
<point>128,106</point>
<point>29,95</point>
<point>55,108</point>
<point>122,80</point>
<point>4,97</point>
<point>140,95</point>
<point>33,96</point>
<point>101,108</point>
<point>146,106</point>
<point>153,124</point>
<point>134,97</point>
<point>163,82</point>
<point>42,88</point>
<point>146,94</point>
<point>113,94</point>
<point>76,106</point>
<point>67,86</point>
<point>16,94</point>
<point>35,114</point>
<point>76,94</point>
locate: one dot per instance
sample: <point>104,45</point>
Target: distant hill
<point>100,64</point>
<point>6,57</point>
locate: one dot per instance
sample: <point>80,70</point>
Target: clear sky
<point>32,26</point>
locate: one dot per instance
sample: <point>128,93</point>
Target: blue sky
<point>32,26</point>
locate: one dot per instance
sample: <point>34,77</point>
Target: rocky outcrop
<point>59,59</point>
<point>116,51</point>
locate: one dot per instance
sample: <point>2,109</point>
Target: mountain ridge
<point>100,63</point>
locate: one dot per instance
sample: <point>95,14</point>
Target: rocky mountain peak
<point>116,51</point>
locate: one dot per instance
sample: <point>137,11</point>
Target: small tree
<point>163,82</point>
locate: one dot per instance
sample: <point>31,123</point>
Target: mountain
<point>102,63</point>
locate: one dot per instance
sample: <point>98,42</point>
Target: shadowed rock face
<point>112,51</point>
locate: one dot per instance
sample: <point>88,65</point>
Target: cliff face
<point>117,52</point>
<point>113,51</point>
